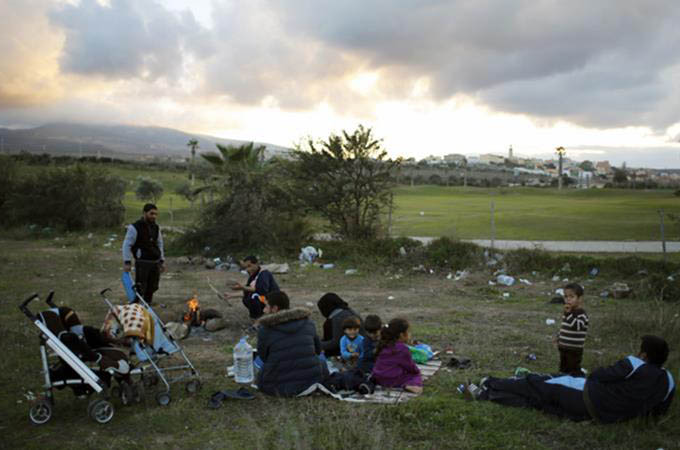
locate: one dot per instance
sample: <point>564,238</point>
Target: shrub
<point>71,198</point>
<point>446,252</point>
<point>527,260</point>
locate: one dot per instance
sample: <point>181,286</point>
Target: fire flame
<point>192,304</point>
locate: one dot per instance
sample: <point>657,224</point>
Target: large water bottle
<point>243,362</point>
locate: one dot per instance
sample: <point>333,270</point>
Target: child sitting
<point>572,334</point>
<point>350,343</point>
<point>372,325</point>
<point>394,366</point>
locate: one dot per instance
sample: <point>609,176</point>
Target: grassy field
<point>520,213</point>
<point>533,214</point>
<point>469,316</point>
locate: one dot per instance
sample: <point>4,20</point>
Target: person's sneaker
<point>471,392</point>
<point>482,383</point>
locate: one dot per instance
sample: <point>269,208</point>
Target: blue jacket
<point>349,346</point>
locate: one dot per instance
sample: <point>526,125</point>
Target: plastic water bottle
<point>243,362</point>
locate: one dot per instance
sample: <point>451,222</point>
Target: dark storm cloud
<point>596,63</point>
<point>128,39</point>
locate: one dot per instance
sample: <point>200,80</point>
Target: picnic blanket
<point>382,394</point>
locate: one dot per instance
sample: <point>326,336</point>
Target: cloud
<point>127,39</point>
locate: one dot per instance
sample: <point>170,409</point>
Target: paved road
<point>575,246</point>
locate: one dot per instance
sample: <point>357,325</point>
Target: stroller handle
<point>104,291</point>
<point>24,306</point>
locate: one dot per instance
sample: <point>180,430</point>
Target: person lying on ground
<point>335,310</point>
<point>372,325</point>
<point>260,282</point>
<point>351,342</point>
<point>632,387</point>
<point>573,330</point>
<point>394,366</point>
<point>289,348</point>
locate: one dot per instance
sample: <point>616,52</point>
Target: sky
<point>429,77</point>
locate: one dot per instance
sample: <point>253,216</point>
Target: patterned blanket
<point>381,394</point>
<point>129,321</point>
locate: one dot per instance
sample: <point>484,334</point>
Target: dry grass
<point>469,316</point>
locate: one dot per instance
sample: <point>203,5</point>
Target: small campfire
<point>193,315</point>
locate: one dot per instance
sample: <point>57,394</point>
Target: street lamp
<point>560,152</point>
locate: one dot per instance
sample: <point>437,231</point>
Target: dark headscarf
<point>330,302</point>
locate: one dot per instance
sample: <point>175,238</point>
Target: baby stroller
<point>65,348</point>
<point>152,351</point>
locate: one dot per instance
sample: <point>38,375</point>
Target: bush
<point>8,178</point>
<point>71,198</point>
<point>453,254</point>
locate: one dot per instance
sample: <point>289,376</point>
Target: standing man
<point>144,242</point>
<point>260,283</point>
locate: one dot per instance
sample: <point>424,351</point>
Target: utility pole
<point>493,225</point>
<point>560,151</point>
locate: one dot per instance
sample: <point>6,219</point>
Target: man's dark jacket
<point>629,388</point>
<point>289,347</point>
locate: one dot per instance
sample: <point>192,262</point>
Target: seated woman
<point>634,386</point>
<point>289,348</point>
<point>335,310</point>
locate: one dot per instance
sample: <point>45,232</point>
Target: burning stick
<point>218,293</point>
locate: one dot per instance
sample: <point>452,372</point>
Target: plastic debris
<point>559,292</point>
<point>550,321</point>
<point>556,278</point>
<point>593,272</point>
<point>506,295</point>
<point>391,297</point>
<point>327,266</point>
<point>505,280</point>
<point>449,276</point>
<point>531,357</point>
<point>460,274</point>
<point>402,251</point>
<point>525,281</point>
<point>309,254</point>
<point>351,271</point>
<point>620,290</point>
<point>604,294</point>
<point>422,213</point>
<point>492,283</point>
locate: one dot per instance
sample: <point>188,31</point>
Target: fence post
<point>493,225</point>
<point>389,217</point>
<point>663,236</point>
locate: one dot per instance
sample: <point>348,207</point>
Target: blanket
<point>382,394</point>
<point>129,321</point>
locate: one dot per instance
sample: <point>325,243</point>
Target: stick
<point>218,293</point>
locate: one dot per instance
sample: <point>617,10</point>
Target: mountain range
<point>121,141</point>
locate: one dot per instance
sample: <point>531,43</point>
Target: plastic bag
<point>421,353</point>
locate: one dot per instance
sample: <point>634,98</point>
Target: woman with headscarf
<point>335,310</point>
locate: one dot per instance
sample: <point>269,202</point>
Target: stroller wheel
<point>163,398</point>
<point>40,412</point>
<point>101,410</point>
<point>126,394</point>
<point>193,386</point>
<point>115,391</point>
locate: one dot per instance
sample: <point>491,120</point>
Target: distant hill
<point>114,140</point>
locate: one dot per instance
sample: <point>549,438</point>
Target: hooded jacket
<point>629,388</point>
<point>289,347</point>
<point>335,310</point>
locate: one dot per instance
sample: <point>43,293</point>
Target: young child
<point>372,325</point>
<point>572,334</point>
<point>350,343</point>
<point>394,366</point>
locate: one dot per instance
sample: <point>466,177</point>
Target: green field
<point>533,214</point>
<point>469,316</point>
<point>520,213</point>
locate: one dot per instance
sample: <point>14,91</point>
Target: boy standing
<point>573,331</point>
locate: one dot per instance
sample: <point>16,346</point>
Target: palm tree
<point>233,165</point>
<point>193,144</point>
